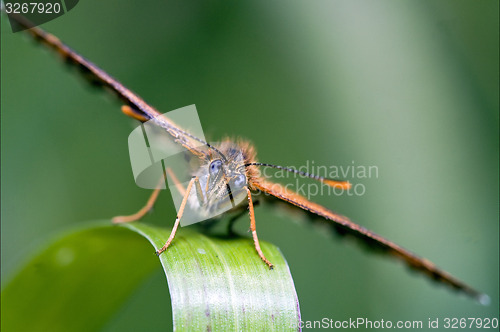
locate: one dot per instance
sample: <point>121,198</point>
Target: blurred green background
<point>410,87</point>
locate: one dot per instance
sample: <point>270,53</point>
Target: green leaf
<point>81,279</point>
<point>77,282</point>
<point>221,284</point>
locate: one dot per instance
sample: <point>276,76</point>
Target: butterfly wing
<point>136,106</point>
<point>347,226</point>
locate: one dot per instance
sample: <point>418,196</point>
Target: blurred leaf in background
<point>409,87</point>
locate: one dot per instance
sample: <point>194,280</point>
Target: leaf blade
<point>80,280</point>
<point>235,289</point>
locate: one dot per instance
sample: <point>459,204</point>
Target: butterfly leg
<point>127,110</point>
<point>152,199</point>
<point>175,180</point>
<point>254,232</point>
<point>145,209</point>
<point>179,216</point>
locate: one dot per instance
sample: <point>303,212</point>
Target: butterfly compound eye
<point>215,166</point>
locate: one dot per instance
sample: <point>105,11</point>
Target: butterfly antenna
<point>333,183</point>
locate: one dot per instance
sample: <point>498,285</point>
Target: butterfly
<point>230,169</point>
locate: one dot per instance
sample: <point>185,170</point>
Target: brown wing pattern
<point>97,76</point>
<point>421,264</point>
